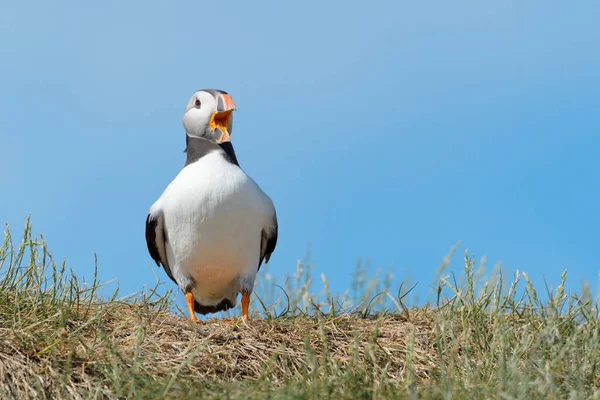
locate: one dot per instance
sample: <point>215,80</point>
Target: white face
<point>198,112</point>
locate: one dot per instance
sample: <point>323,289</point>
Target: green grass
<point>491,339</point>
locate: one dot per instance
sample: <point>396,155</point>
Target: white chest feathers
<point>214,215</point>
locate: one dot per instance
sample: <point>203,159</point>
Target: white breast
<point>214,216</point>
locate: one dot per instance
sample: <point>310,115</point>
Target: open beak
<point>220,119</point>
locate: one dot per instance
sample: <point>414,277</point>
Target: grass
<point>60,339</point>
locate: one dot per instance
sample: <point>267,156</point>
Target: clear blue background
<point>382,130</point>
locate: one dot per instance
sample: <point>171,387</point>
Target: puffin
<point>213,226</point>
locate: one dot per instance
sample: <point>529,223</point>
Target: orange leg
<point>189,299</point>
<point>245,304</point>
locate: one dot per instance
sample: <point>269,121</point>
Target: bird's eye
<point>197,103</point>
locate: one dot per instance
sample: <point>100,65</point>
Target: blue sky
<point>382,130</point>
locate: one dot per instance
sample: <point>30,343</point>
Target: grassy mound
<point>60,339</point>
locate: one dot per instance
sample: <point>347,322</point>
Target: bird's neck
<point>198,147</point>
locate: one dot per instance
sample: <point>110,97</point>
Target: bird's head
<point>209,115</point>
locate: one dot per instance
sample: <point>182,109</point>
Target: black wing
<point>268,241</point>
<point>156,239</point>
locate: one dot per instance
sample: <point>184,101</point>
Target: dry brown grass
<point>156,343</point>
<point>60,340</point>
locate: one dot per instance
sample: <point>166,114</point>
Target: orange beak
<point>228,104</point>
<point>221,118</point>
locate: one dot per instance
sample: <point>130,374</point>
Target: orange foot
<point>189,299</point>
<point>245,304</point>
